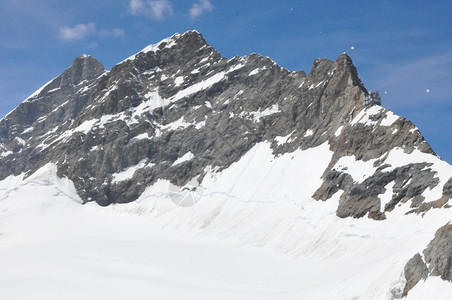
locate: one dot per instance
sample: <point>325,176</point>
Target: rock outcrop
<point>436,260</point>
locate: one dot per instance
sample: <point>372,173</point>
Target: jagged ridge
<point>221,107</point>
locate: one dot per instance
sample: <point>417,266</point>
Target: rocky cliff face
<point>435,261</point>
<point>178,108</point>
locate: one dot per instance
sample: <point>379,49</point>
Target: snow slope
<point>250,232</point>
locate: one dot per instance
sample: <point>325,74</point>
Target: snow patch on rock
<point>186,157</point>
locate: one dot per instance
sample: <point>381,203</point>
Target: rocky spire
<point>84,67</point>
<point>63,89</point>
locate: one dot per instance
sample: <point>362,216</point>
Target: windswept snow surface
<point>254,233</point>
<point>364,116</point>
<point>155,47</point>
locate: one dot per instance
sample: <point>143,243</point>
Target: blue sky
<point>401,48</point>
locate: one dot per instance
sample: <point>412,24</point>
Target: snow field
<point>254,233</point>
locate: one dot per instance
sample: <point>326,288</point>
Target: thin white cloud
<point>82,31</point>
<point>136,6</point>
<point>78,32</point>
<point>158,10</point>
<point>118,32</point>
<point>114,32</point>
<point>199,8</point>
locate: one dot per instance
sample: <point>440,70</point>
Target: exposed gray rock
<point>334,181</point>
<point>415,270</point>
<point>46,115</point>
<point>411,181</point>
<point>437,260</point>
<point>447,189</point>
<point>360,199</point>
<point>438,254</point>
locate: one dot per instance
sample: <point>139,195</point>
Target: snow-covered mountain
<point>240,150</point>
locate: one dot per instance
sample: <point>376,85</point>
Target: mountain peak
<point>84,67</point>
<point>84,56</point>
<point>192,32</point>
<point>184,82</point>
<point>342,71</point>
<point>191,38</point>
<point>345,61</point>
<point>344,56</point>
